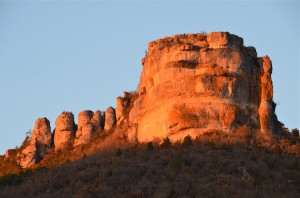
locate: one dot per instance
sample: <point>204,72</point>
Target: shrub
<point>295,133</point>
<point>204,33</point>
<point>118,152</point>
<point>11,179</point>
<point>166,143</point>
<point>150,146</point>
<point>187,141</point>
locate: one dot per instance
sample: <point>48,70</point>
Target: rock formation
<point>120,114</point>
<point>110,119</point>
<point>40,143</point>
<point>9,152</point>
<point>64,130</point>
<point>266,107</point>
<point>88,124</point>
<point>192,84</point>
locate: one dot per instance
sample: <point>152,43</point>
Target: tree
<point>187,141</point>
<point>166,143</point>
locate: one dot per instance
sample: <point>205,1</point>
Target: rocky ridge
<point>191,84</point>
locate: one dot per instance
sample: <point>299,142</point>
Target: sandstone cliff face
<point>88,124</point>
<point>192,84</point>
<point>64,130</point>
<point>40,143</point>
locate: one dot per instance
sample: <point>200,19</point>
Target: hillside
<point>197,169</point>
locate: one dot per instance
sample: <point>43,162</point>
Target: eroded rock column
<point>39,144</point>
<point>266,109</point>
<point>110,119</point>
<point>88,124</point>
<point>120,110</point>
<point>64,130</point>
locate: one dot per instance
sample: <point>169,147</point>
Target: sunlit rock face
<point>64,130</point>
<point>192,84</point>
<point>88,124</point>
<point>110,119</point>
<point>120,110</point>
<point>39,145</point>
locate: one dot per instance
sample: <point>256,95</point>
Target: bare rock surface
<point>64,130</point>
<point>88,124</point>
<point>120,114</point>
<point>40,143</point>
<point>193,84</point>
<point>110,119</point>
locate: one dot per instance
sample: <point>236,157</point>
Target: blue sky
<point>74,55</point>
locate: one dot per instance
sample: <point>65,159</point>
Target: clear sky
<point>75,55</point>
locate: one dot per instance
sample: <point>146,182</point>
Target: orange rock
<point>110,119</point>
<point>192,84</point>
<point>88,124</point>
<point>39,145</point>
<point>64,130</point>
<point>266,107</point>
<point>120,110</point>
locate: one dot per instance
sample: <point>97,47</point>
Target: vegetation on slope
<point>199,168</point>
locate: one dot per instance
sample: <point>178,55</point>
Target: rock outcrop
<point>64,130</point>
<point>9,152</point>
<point>120,112</point>
<point>193,84</point>
<point>110,119</point>
<point>40,143</point>
<point>267,106</point>
<point>88,124</point>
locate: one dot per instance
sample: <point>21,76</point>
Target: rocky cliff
<point>190,84</point>
<point>193,83</point>
<point>39,145</point>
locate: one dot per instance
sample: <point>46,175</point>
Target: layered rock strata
<point>193,83</point>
